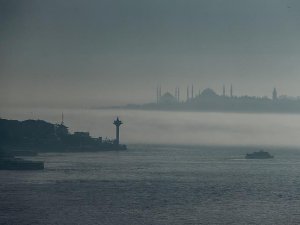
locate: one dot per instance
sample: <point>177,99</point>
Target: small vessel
<point>20,164</point>
<point>259,155</point>
<point>8,161</point>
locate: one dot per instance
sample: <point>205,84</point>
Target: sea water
<point>188,169</point>
<point>155,184</point>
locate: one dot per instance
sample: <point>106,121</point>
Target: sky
<point>62,53</point>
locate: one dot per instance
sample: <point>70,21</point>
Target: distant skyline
<point>190,91</point>
<point>101,52</point>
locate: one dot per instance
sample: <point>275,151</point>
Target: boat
<point>13,163</point>
<point>259,155</point>
<point>8,161</point>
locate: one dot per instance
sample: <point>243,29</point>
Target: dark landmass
<point>31,136</point>
<point>208,100</point>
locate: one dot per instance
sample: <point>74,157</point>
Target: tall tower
<point>231,91</point>
<point>192,91</point>
<point>177,93</point>
<point>223,90</point>
<point>274,96</point>
<point>157,94</point>
<point>187,94</point>
<point>117,123</point>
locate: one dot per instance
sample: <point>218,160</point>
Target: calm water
<point>155,185</point>
<point>166,184</point>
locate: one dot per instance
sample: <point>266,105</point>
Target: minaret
<point>223,90</point>
<point>177,94</point>
<point>274,97</point>
<point>231,91</point>
<point>159,92</point>
<point>187,94</point>
<point>117,123</point>
<point>192,91</point>
<point>157,95</point>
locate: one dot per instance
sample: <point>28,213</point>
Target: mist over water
<point>179,167</point>
<point>165,127</point>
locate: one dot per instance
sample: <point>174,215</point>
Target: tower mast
<point>117,123</point>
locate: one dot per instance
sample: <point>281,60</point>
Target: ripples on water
<point>155,185</point>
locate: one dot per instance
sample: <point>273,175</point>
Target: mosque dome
<point>208,92</point>
<point>167,98</point>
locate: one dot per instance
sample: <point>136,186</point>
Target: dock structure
<point>117,123</point>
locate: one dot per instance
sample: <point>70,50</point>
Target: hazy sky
<point>107,52</point>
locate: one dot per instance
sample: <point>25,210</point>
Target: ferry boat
<point>259,155</point>
<point>13,163</point>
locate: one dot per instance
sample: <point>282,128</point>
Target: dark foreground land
<point>155,185</point>
<point>31,136</point>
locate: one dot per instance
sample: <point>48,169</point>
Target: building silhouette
<point>117,123</point>
<point>167,98</point>
<point>209,100</point>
